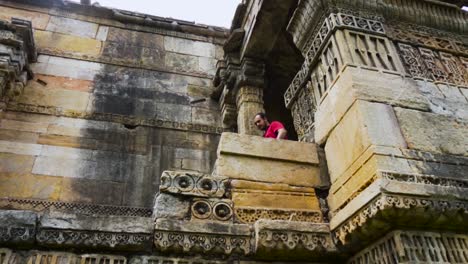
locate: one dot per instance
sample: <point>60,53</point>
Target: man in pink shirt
<point>271,130</point>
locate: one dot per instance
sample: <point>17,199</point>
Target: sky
<point>209,12</point>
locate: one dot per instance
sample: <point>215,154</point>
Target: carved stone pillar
<point>17,50</point>
<point>249,98</point>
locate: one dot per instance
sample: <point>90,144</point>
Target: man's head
<point>261,121</point>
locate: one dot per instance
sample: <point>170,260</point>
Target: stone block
<point>205,116</point>
<point>65,67</point>
<point>451,93</point>
<point>92,191</point>
<point>189,47</point>
<point>23,126</point>
<point>253,146</point>
<point>70,100</point>
<point>365,124</point>
<point>66,153</point>
<point>67,141</point>
<point>102,33</point>
<point>60,44</point>
<point>39,20</point>
<point>366,85</point>
<point>263,170</point>
<point>24,185</point>
<point>57,82</point>
<point>18,136</point>
<point>135,38</point>
<point>432,132</point>
<point>72,168</point>
<point>72,27</point>
<point>17,227</point>
<point>16,163</point>
<point>207,65</point>
<point>276,200</point>
<point>171,207</point>
<point>20,148</point>
<point>181,62</point>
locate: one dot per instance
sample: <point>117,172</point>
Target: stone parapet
<point>268,160</point>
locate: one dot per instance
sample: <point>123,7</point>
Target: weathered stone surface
<point>433,132</point>
<point>276,200</point>
<point>245,145</point>
<point>60,44</point>
<point>365,124</point>
<point>72,27</point>
<point>39,20</point>
<point>171,207</point>
<point>92,191</point>
<point>246,168</point>
<point>188,47</point>
<point>17,227</point>
<point>16,163</point>
<point>181,62</point>
<point>64,67</point>
<point>367,85</point>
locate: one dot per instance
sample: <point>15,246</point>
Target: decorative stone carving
<point>213,209</point>
<point>294,238</point>
<point>75,238</point>
<point>436,66</point>
<point>192,184</point>
<point>203,237</point>
<point>78,208</point>
<point>17,227</point>
<point>17,50</point>
<point>427,37</point>
<point>53,258</point>
<point>415,247</point>
<point>390,201</point>
<point>251,215</point>
<point>5,256</point>
<point>327,52</point>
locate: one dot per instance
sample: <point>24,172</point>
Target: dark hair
<point>262,115</point>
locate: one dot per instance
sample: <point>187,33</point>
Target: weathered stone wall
<point>111,106</point>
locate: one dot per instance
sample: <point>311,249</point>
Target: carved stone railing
<point>17,51</point>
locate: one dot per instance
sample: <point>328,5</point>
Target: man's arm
<point>281,133</point>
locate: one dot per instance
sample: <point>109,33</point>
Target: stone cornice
<point>128,17</point>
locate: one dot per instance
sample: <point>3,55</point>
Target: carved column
<point>249,98</point>
<point>17,50</point>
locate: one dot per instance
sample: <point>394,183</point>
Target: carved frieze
<point>250,215</point>
<point>192,184</point>
<point>415,247</point>
<point>203,237</point>
<point>174,260</point>
<point>78,208</point>
<point>427,37</point>
<point>434,65</point>
<point>17,234</point>
<point>83,238</point>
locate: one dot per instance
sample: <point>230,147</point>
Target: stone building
<point>128,138</point>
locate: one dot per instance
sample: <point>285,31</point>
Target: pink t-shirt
<point>272,130</point>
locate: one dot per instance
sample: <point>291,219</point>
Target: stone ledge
<point>265,148</point>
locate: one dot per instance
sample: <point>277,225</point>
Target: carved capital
<point>252,73</point>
